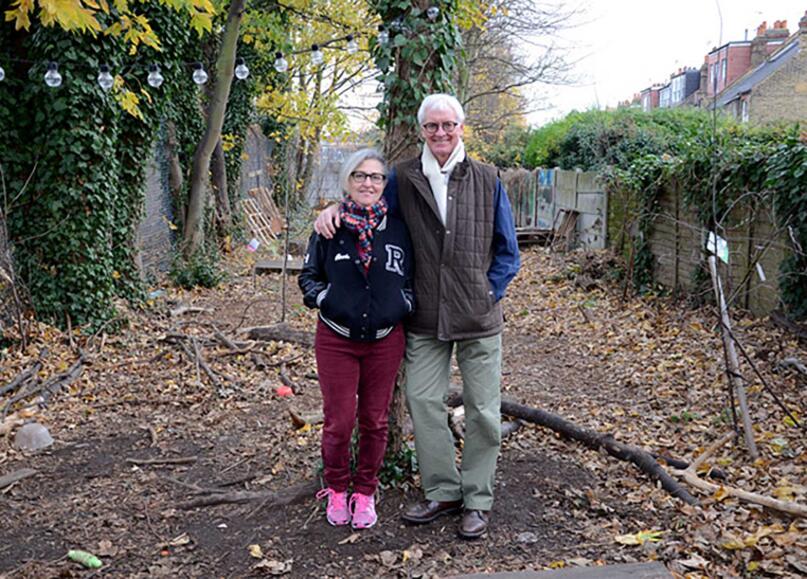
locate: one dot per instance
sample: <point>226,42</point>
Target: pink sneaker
<point>336,511</point>
<point>363,509</point>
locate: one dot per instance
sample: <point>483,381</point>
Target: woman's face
<point>364,184</point>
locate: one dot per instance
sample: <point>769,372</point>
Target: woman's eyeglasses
<point>447,126</point>
<point>358,177</point>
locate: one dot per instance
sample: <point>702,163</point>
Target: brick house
<point>724,65</point>
<point>776,88</point>
<point>650,98</point>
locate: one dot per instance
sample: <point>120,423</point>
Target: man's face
<point>441,142</point>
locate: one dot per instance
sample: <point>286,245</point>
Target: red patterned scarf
<point>363,220</point>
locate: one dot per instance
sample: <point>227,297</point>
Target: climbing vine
<point>75,162</point>
<point>419,58</point>
<point>722,169</point>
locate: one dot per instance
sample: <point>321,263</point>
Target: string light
<point>281,64</point>
<point>155,77</point>
<point>199,75</point>
<point>316,55</point>
<point>352,45</point>
<point>105,79</point>
<point>241,70</point>
<point>52,77</point>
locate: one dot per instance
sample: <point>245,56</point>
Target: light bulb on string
<point>2,74</point>
<point>199,75</point>
<point>383,35</point>
<point>241,70</point>
<point>352,45</point>
<point>52,77</point>
<point>432,13</point>
<point>155,77</point>
<point>316,55</point>
<point>281,64</point>
<point>105,79</point>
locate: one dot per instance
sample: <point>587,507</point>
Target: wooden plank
<point>653,570</point>
<point>276,265</point>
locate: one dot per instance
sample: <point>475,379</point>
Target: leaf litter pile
<point>187,444</point>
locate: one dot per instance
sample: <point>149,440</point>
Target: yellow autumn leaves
<point>83,16</point>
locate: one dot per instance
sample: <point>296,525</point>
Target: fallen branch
<point>21,379</point>
<point>53,385</point>
<point>794,363</point>
<point>50,387</point>
<point>157,461</point>
<point>691,476</point>
<point>186,309</point>
<point>299,420</point>
<point>279,333</point>
<point>595,440</point>
<point>286,381</point>
<point>17,475</point>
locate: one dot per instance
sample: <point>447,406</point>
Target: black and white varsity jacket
<point>358,306</point>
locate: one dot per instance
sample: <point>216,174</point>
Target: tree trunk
<point>175,178</point>
<point>193,237</point>
<point>218,174</point>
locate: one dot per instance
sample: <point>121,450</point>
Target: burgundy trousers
<point>356,379</point>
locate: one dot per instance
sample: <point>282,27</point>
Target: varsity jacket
<point>357,305</point>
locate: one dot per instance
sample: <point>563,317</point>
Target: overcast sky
<point>626,45</point>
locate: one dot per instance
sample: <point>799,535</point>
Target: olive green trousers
<point>428,367</point>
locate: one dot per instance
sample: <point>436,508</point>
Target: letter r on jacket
<point>395,259</point>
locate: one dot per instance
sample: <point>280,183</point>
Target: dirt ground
<point>647,370</point>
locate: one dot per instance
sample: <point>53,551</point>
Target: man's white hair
<point>440,102</point>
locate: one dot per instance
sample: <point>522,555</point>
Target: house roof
<point>756,75</point>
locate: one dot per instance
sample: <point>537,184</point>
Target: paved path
<point>630,571</point>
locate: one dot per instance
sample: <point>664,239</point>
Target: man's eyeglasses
<point>358,177</point>
<point>447,126</point>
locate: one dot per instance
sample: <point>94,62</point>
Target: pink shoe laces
<point>363,509</point>
<point>337,511</point>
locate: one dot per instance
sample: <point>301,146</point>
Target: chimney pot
<point>762,28</point>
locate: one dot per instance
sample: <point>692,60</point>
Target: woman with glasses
<point>361,283</point>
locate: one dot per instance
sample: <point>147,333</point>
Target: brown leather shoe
<point>427,511</point>
<point>474,524</point>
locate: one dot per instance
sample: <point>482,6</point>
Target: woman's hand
<point>328,221</point>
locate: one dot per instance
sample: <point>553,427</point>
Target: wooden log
<point>595,440</point>
<point>280,333</point>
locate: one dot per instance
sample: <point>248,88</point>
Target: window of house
<point>723,68</point>
<point>744,110</point>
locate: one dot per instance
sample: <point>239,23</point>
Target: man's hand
<point>328,222</point>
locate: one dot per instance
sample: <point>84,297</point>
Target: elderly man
<point>465,253</point>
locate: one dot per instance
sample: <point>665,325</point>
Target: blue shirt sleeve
<point>506,260</point>
<point>391,196</point>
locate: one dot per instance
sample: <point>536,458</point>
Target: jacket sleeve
<point>312,279</point>
<point>391,196</point>
<point>506,260</point>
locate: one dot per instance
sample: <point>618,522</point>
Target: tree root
<point>218,496</point>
